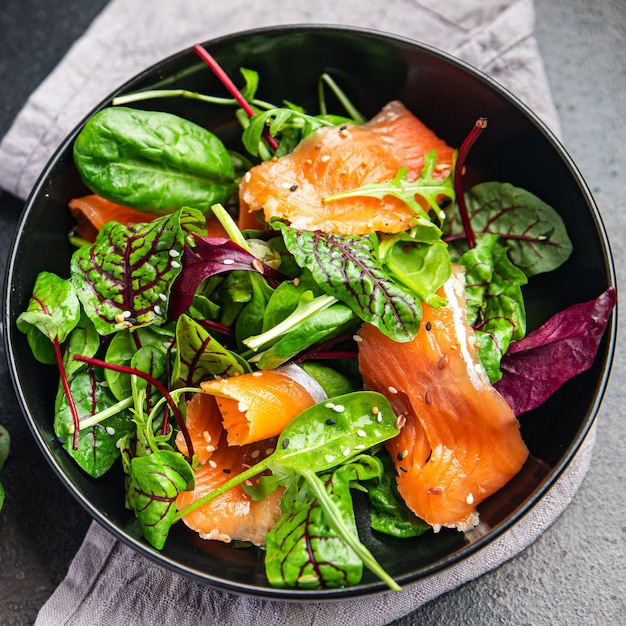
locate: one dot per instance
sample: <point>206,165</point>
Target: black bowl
<point>372,68</point>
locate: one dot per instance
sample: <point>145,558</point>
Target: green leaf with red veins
<point>125,277</point>
<point>200,356</point>
<point>53,309</point>
<point>348,268</point>
<point>155,481</point>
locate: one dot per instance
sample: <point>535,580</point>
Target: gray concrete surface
<point>575,574</point>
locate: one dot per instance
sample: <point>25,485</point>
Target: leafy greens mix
<point>151,310</point>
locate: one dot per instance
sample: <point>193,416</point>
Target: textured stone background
<point>574,574</point>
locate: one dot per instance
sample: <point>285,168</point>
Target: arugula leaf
<point>125,277</point>
<point>534,231</point>
<point>152,161</point>
<point>348,268</point>
<point>303,549</point>
<point>431,190</point>
<point>155,481</point>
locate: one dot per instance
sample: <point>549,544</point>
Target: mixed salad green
<point>151,310</point>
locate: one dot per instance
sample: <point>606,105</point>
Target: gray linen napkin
<point>107,582</point>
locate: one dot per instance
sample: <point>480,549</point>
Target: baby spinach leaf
<point>97,450</point>
<point>53,309</point>
<point>250,319</point>
<point>125,277</point>
<point>85,340</point>
<point>152,161</point>
<point>303,549</point>
<point>333,383</point>
<point>155,481</point>
<point>534,231</point>
<point>127,346</point>
<point>388,512</point>
<point>200,356</point>
<point>348,268</point>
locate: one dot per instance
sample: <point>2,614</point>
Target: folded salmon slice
<point>233,515</point>
<point>460,441</point>
<point>336,159</point>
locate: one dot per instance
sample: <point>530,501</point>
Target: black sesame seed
<point>293,187</point>
<point>331,422</point>
<point>404,469</point>
<point>226,471</point>
<point>400,456</point>
<point>285,443</point>
<point>343,127</point>
<point>428,325</point>
<point>60,440</point>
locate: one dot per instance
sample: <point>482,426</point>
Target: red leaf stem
<point>68,392</point>
<point>151,380</point>
<point>479,126</point>
<point>231,87</point>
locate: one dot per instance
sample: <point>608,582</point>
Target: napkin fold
<point>108,583</point>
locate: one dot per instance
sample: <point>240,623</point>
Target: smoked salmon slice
<point>233,515</point>
<point>460,441</point>
<point>258,405</point>
<point>340,158</point>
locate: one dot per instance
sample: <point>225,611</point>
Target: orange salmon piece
<point>233,515</point>
<point>258,405</point>
<point>336,159</point>
<point>461,441</point>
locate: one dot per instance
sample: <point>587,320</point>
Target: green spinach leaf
<point>154,162</point>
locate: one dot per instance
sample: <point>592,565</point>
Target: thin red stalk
<point>232,88</point>
<point>479,126</point>
<point>151,380</point>
<point>68,393</point>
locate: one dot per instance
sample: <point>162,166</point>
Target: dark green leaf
<point>534,231</point>
<point>155,481</point>
<point>5,445</point>
<point>348,268</point>
<point>125,277</point>
<point>152,161</point>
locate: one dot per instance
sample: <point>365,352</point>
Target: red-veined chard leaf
<point>303,549</point>
<point>209,257</point>
<point>200,356</point>
<point>97,447</point>
<point>495,304</point>
<point>348,268</point>
<point>155,162</point>
<point>566,345</point>
<point>534,231</point>
<point>155,481</point>
<point>53,311</point>
<point>124,278</point>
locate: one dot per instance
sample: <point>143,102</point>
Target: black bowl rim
<point>364,588</point>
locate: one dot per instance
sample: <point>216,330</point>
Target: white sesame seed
<point>254,454</point>
<point>174,253</point>
<point>392,390</point>
<point>210,448</point>
<point>110,430</point>
<point>329,405</point>
<point>206,435</point>
<point>228,262</point>
<point>346,452</point>
<point>325,158</point>
<point>257,374</point>
<point>470,498</point>
<point>361,433</point>
<point>212,463</point>
<point>175,264</point>
<point>247,176</point>
<point>162,297</point>
<point>339,408</point>
<point>157,309</point>
<point>269,451</point>
<point>287,185</point>
<point>379,417</point>
<point>360,446</point>
<point>357,338</point>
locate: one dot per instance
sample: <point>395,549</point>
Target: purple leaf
<point>566,345</point>
<point>212,255</point>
